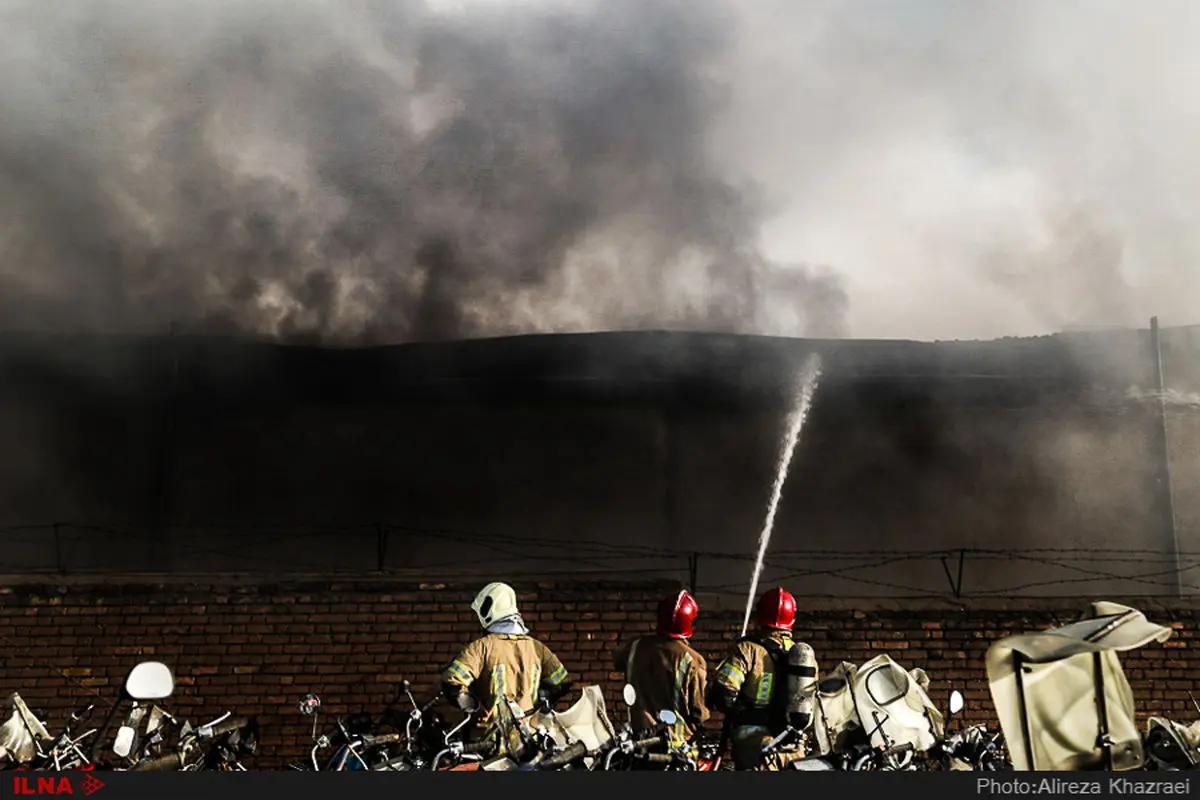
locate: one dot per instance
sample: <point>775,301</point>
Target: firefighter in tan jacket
<point>666,673</point>
<point>764,686</point>
<point>504,666</point>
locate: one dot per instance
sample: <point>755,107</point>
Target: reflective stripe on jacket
<point>505,666</point>
<point>747,675</point>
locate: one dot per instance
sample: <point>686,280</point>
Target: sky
<point>393,170</point>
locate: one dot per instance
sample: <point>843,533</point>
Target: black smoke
<point>372,171</point>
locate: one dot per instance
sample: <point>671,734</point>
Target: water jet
<point>806,387</point>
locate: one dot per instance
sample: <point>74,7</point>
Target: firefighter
<point>504,667</point>
<point>666,673</point>
<point>764,687</point>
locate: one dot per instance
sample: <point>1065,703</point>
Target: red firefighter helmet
<point>677,615</point>
<point>777,610</point>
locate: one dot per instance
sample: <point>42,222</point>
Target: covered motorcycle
<point>1171,745</point>
<point>585,724</point>
<point>1063,700</point>
<point>562,738</point>
<point>22,735</point>
<point>878,715</point>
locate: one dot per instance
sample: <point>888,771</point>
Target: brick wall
<point>257,648</point>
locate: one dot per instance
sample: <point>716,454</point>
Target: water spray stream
<point>809,377</point>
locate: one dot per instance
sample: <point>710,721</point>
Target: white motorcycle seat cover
<point>878,690</point>
<point>585,721</point>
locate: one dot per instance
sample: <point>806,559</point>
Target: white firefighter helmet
<point>495,602</point>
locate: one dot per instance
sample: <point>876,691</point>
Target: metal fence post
<point>1166,499</point>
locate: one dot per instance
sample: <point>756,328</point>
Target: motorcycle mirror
<point>956,702</point>
<point>310,704</point>
<point>124,743</point>
<point>467,703</point>
<point>667,717</point>
<point>150,680</point>
<point>630,694</point>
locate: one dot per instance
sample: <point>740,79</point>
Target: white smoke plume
<point>979,169</point>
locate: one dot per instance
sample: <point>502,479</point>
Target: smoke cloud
<point>377,171</point>
<point>392,170</point>
<point>978,169</point>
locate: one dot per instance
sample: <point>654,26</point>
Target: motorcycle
<point>708,758</point>
<point>877,717</point>
<point>974,748</point>
<point>354,747</point>
<point>67,750</point>
<point>655,747</point>
<point>147,681</point>
<point>576,735</point>
<point>219,745</point>
<point>424,732</point>
<point>548,740</point>
<point>22,736</point>
<point>458,755</point>
<point>1171,746</point>
<point>1063,700</point>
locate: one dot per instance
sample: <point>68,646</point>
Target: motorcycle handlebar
<point>659,758</point>
<point>80,714</point>
<point>476,748</point>
<point>646,744</point>
<point>898,749</point>
<point>573,752</point>
<point>387,738</point>
<point>168,763</point>
<point>230,725</point>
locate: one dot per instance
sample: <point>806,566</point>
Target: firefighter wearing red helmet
<point>761,686</point>
<point>664,670</point>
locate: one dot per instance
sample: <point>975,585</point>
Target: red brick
<point>258,649</point>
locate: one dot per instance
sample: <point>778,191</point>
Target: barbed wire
<point>604,559</point>
<point>295,532</point>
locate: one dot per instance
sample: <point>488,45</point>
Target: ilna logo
<point>24,785</point>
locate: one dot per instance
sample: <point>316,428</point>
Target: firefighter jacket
<point>668,675</point>
<point>500,667</point>
<point>746,687</point>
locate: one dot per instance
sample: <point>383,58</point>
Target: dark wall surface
<point>1029,460</point>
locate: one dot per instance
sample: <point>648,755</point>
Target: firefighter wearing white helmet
<point>506,665</point>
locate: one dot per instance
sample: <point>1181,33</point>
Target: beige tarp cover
<point>835,720</point>
<point>17,735</point>
<point>585,721</point>
<point>1188,736</point>
<point>1062,720</point>
<point>882,697</point>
